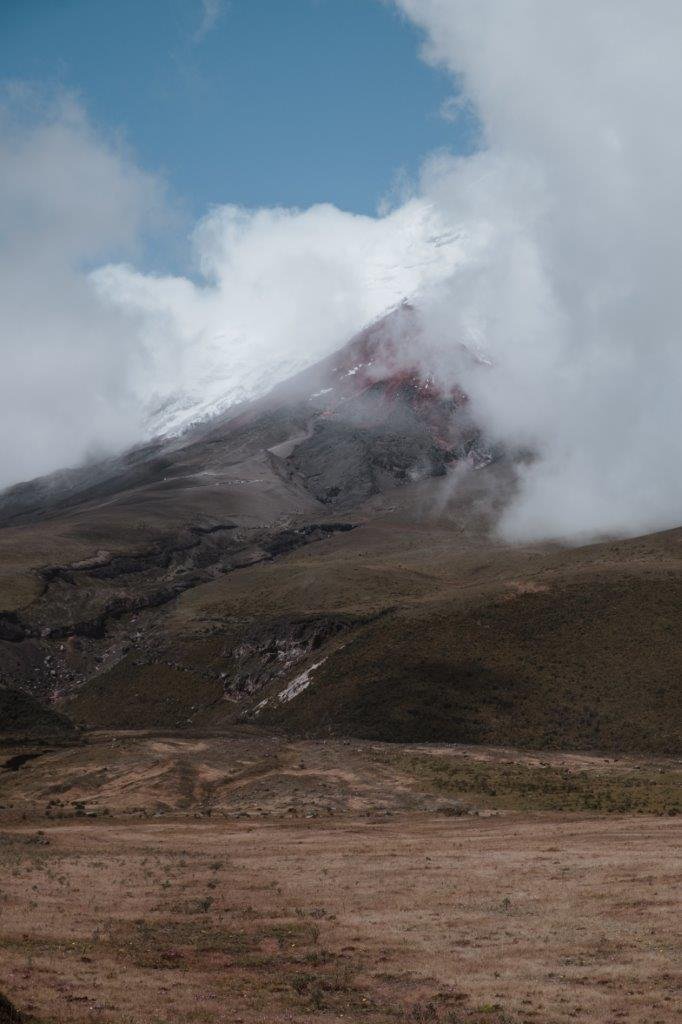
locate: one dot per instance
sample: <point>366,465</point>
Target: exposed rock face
<point>382,423</point>
<point>270,651</point>
<point>369,457</point>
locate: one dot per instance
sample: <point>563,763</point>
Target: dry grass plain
<point>157,878</point>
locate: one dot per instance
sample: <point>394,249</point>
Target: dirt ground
<point>159,878</point>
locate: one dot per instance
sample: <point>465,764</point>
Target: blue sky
<point>255,102</point>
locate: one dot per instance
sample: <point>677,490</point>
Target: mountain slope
<point>322,561</point>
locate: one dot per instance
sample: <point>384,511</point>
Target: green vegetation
<point>522,787</point>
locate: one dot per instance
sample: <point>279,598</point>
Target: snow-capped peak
<point>281,290</point>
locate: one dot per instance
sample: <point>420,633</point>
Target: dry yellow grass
<point>355,915</point>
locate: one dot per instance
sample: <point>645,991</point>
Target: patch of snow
<point>355,369</point>
<point>299,684</point>
<point>224,349</point>
<point>324,391</point>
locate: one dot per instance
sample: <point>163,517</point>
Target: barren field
<point>160,878</point>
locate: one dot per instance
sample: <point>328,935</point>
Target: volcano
<point>323,560</point>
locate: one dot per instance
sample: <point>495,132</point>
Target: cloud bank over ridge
<point>276,290</point>
<point>570,284</point>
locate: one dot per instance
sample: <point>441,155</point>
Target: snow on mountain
<point>279,290</point>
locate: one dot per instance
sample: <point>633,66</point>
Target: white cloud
<point>211,11</point>
<point>556,256</point>
<point>67,199</point>
<point>454,107</point>
<point>93,360</point>
<point>574,228</point>
<point>277,290</point>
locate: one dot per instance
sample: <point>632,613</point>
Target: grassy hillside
<point>23,716</point>
<point>582,666</point>
<point>573,648</point>
<point>446,636</point>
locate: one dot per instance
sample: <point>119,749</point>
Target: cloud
<point>572,226</point>
<point>211,12</point>
<point>96,355</point>
<point>453,108</point>
<point>552,253</point>
<point>67,200</point>
<point>276,289</point>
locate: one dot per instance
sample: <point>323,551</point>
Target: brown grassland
<point>158,877</point>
